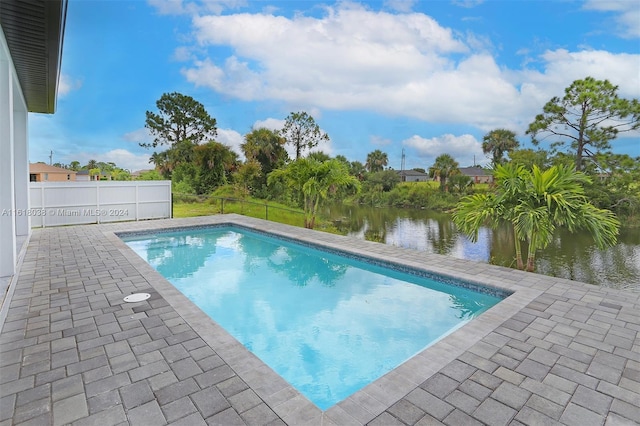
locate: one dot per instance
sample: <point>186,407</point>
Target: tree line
<point>580,126</point>
<point>99,168</point>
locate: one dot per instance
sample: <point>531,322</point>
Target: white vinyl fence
<point>73,203</point>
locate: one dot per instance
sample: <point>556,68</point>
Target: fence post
<point>138,202</point>
<point>98,200</point>
<point>43,203</point>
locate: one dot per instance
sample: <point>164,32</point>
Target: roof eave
<point>34,31</point>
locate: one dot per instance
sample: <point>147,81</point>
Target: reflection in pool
<point>328,324</point>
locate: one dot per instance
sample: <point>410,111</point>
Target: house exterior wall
<point>411,177</point>
<point>482,179</point>
<point>477,175</point>
<point>14,165</point>
<point>53,177</point>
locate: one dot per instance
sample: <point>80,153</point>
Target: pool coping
<point>367,403</point>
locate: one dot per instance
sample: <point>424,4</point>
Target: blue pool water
<point>328,324</point>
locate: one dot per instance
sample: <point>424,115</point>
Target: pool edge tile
<point>381,393</point>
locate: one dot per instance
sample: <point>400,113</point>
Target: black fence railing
<point>261,210</point>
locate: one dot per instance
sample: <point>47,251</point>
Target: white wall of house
<point>14,164</point>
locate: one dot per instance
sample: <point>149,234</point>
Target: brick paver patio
<point>73,352</point>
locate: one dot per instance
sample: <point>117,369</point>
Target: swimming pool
<point>327,323</point>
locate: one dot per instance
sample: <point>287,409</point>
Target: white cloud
<point>67,84</point>
<point>269,123</point>
<point>340,61</point>
<point>232,139</point>
<point>183,54</point>
<point>121,157</point>
<point>465,149</point>
<point>324,146</point>
<point>379,141</point>
<point>138,136</point>
<point>627,15</point>
<point>563,67</point>
<point>404,65</point>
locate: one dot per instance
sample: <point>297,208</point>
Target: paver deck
<point>72,352</point>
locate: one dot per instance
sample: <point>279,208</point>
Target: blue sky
<point>429,77</point>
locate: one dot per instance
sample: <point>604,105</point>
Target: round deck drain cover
<point>137,297</point>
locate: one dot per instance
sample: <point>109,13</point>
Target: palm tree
<point>460,183</point>
<point>92,164</point>
<point>535,203</point>
<point>357,169</point>
<point>376,161</point>
<point>316,181</point>
<point>265,147</point>
<point>497,142</point>
<point>319,156</point>
<point>161,163</point>
<point>444,167</point>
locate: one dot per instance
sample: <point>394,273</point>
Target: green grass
<point>428,184</point>
<point>258,209</point>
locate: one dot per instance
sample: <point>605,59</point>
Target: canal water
<point>573,256</point>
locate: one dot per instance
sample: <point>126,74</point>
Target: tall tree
<point>357,169</point>
<point>319,156</point>
<point>74,165</point>
<point>497,142</point>
<point>588,118</point>
<point>443,168</point>
<point>535,203</point>
<point>376,160</point>
<point>248,176</point>
<point>385,179</point>
<point>460,183</point>
<point>214,163</point>
<point>301,131</point>
<point>316,181</point>
<point>181,123</point>
<point>343,159</point>
<point>528,157</point>
<point>616,185</point>
<point>161,162</point>
<point>180,118</point>
<point>265,148</point>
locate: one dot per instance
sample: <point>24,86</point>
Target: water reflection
<point>325,324</point>
<point>178,255</point>
<point>572,256</point>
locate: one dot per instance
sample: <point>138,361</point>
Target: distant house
<point>477,174</point>
<point>412,176</point>
<point>40,172</point>
<point>85,176</point>
<point>137,173</point>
